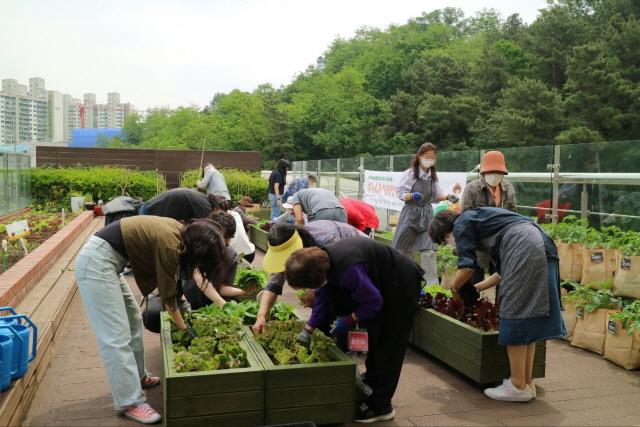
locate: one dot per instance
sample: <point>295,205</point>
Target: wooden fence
<point>168,162</point>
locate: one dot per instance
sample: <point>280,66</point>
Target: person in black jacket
<point>369,285</point>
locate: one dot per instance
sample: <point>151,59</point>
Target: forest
<point>570,76</point>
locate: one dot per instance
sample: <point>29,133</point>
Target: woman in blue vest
<point>526,261</point>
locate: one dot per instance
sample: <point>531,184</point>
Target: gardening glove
<point>342,327</point>
<point>184,306</point>
<point>304,338</point>
<point>279,201</point>
<point>453,198</point>
<point>192,334</point>
<point>416,197</point>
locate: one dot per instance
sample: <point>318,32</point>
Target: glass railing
<point>596,181</point>
<point>15,182</point>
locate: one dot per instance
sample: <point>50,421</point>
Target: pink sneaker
<point>143,413</point>
<point>149,382</point>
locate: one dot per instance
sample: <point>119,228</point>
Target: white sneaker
<point>532,389</point>
<point>508,392</point>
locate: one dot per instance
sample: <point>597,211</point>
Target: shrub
<point>240,183</point>
<point>54,186</point>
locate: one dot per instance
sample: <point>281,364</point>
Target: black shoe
<point>365,415</point>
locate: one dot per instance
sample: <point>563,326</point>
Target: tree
<point>528,113</point>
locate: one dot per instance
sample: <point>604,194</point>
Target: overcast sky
<point>171,53</point>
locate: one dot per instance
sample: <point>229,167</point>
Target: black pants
<point>388,339</point>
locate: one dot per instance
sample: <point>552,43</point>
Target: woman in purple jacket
<point>370,285</point>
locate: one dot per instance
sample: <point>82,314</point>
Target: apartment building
<point>32,114</point>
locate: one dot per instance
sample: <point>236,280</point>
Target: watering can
<point>6,357</point>
<point>16,326</point>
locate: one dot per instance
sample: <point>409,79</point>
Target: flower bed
<point>42,225</point>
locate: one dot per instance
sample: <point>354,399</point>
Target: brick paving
<point>580,388</point>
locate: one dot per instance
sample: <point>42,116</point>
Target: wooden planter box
<point>259,238</point>
<point>231,397</point>
<point>468,350</point>
<point>323,393</point>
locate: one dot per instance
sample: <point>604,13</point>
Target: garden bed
<point>19,279</point>
<point>323,393</point>
<point>232,397</point>
<point>470,351</point>
<point>259,237</point>
<point>42,225</point>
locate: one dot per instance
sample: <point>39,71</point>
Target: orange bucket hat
<point>493,161</point>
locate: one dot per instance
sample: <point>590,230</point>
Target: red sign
<point>358,340</point>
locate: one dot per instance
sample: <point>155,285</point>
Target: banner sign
<point>381,188</point>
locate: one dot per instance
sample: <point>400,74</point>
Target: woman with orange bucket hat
<point>491,189</point>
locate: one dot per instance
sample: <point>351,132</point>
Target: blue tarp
<point>88,138</point>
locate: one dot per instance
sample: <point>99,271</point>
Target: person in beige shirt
<point>156,248</point>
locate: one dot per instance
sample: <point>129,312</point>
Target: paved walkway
<point>580,388</point>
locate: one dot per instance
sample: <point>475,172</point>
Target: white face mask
<point>427,163</point>
<point>493,179</point>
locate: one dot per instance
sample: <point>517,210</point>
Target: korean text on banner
<point>381,188</point>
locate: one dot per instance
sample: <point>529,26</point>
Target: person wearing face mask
<point>491,189</point>
<point>526,262</point>
<point>419,189</point>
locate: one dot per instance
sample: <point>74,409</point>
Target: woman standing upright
<point>277,181</point>
<point>418,189</point>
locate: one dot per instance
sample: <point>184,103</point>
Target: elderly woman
<point>526,261</point>
<point>285,239</point>
<point>372,286</point>
<point>156,248</point>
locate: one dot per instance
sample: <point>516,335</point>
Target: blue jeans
<point>275,209</point>
<point>115,318</point>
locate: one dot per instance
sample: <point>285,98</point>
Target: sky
<point>182,52</point>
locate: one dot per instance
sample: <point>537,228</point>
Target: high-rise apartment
<point>32,114</point>
<point>23,112</point>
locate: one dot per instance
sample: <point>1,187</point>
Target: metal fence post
<point>338,178</point>
<point>584,203</point>
<point>555,184</point>
<point>361,179</point>
<point>391,158</point>
<point>319,169</point>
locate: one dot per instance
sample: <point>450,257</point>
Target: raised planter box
<point>23,275</point>
<point>233,397</point>
<point>470,351</point>
<point>387,241</point>
<point>323,393</point>
<point>259,237</point>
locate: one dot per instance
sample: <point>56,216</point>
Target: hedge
<point>240,183</point>
<point>55,186</point>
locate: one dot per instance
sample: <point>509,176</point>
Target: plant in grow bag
<point>629,317</point>
<point>445,259</point>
